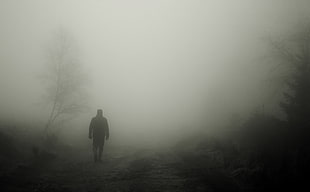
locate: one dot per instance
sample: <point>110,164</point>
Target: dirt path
<point>121,170</point>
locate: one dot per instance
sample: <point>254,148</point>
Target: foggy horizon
<point>153,66</point>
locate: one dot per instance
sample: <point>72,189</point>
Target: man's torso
<point>99,125</point>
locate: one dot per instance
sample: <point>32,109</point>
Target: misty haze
<point>154,95</point>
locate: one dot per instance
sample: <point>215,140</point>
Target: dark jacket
<point>99,130</point>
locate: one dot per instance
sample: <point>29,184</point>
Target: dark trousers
<point>97,149</point>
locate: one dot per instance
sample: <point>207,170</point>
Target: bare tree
<point>65,82</point>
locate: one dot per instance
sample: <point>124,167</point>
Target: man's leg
<point>95,149</point>
<point>100,152</point>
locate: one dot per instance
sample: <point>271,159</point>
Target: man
<point>99,132</point>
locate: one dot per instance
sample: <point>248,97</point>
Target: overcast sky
<point>152,64</point>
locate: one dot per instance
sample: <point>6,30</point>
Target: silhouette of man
<point>99,132</point>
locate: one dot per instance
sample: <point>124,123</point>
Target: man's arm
<point>90,133</point>
<point>107,131</point>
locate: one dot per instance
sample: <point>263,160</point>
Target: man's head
<point>99,112</point>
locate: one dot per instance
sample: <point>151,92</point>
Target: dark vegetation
<point>267,153</point>
<point>264,153</point>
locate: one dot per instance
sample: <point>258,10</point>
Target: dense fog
<point>197,95</point>
<point>157,68</point>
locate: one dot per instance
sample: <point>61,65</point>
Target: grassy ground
<point>121,170</point>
